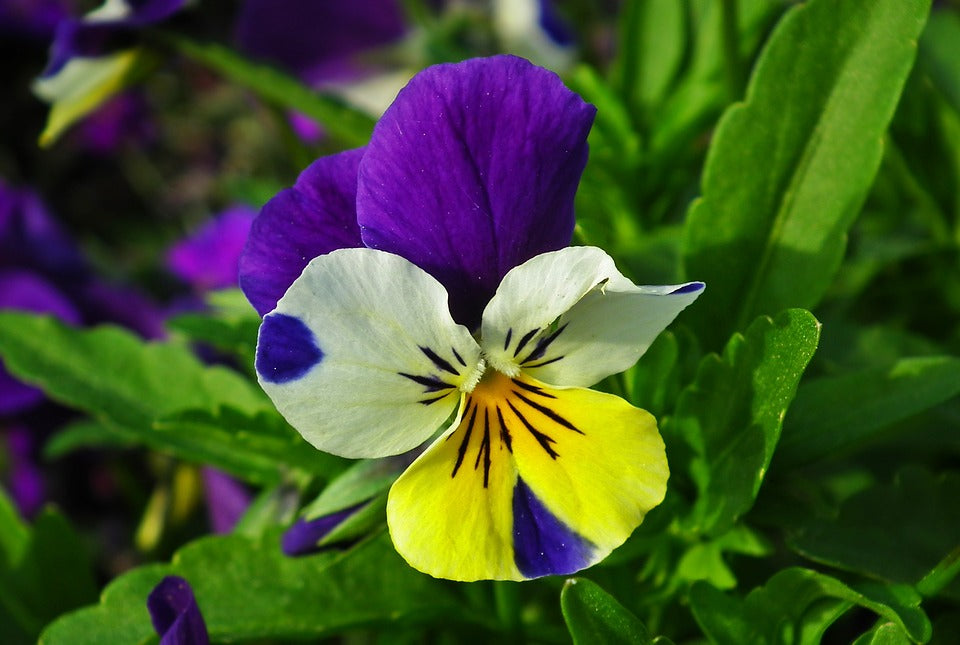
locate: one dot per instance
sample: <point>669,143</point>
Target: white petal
<point>570,318</point>
<point>362,356</point>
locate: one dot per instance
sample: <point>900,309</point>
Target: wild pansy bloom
<point>91,58</point>
<point>459,301</point>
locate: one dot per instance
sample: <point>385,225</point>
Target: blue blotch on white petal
<point>691,287</point>
<point>542,544</point>
<point>286,349</point>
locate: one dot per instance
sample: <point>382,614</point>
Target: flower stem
<point>507,599</point>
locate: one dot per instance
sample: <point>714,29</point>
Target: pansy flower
<point>93,57</point>
<point>420,290</point>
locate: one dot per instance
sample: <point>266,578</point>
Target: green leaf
<point>85,434</point>
<point>940,54</point>
<point>44,571</point>
<point>835,414</point>
<point>236,337</point>
<point>360,482</point>
<point>655,380</point>
<point>159,395</point>
<point>112,374</point>
<point>796,606</point>
<point>230,324</point>
<point>351,126</point>
<point>900,532</point>
<point>732,414</point>
<point>702,91</point>
<point>364,483</point>
<point>594,616</point>
<point>248,590</point>
<point>705,561</point>
<point>789,169</point>
<point>258,448</point>
<point>884,634</point>
<point>653,38</point>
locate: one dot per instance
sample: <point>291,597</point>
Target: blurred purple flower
<point>31,239</point>
<point>27,291</point>
<point>208,259</point>
<point>42,271</point>
<point>108,29</point>
<point>35,19</point>
<point>124,118</point>
<point>318,39</point>
<point>175,614</point>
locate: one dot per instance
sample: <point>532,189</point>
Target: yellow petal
<point>534,481</point>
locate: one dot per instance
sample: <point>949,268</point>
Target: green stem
<point>942,575</point>
<point>350,125</point>
<point>507,598</point>
<point>731,48</point>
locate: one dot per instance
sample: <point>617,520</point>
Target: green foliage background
<point>797,158</point>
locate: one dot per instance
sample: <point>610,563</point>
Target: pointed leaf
<point>732,414</point>
<point>157,394</point>
<point>838,413</point>
<point>789,169</point>
<point>44,571</point>
<point>899,532</point>
<point>248,590</point>
<point>796,606</point>
<point>594,616</point>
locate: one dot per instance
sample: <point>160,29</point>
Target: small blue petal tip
<point>693,287</point>
<point>542,544</point>
<point>286,349</point>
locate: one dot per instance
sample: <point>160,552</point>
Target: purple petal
<point>175,614</point>
<point>472,171</point>
<point>209,258</point>
<point>26,291</point>
<point>303,536</point>
<point>542,544</point>
<point>307,35</point>
<point>227,499</point>
<point>315,216</point>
